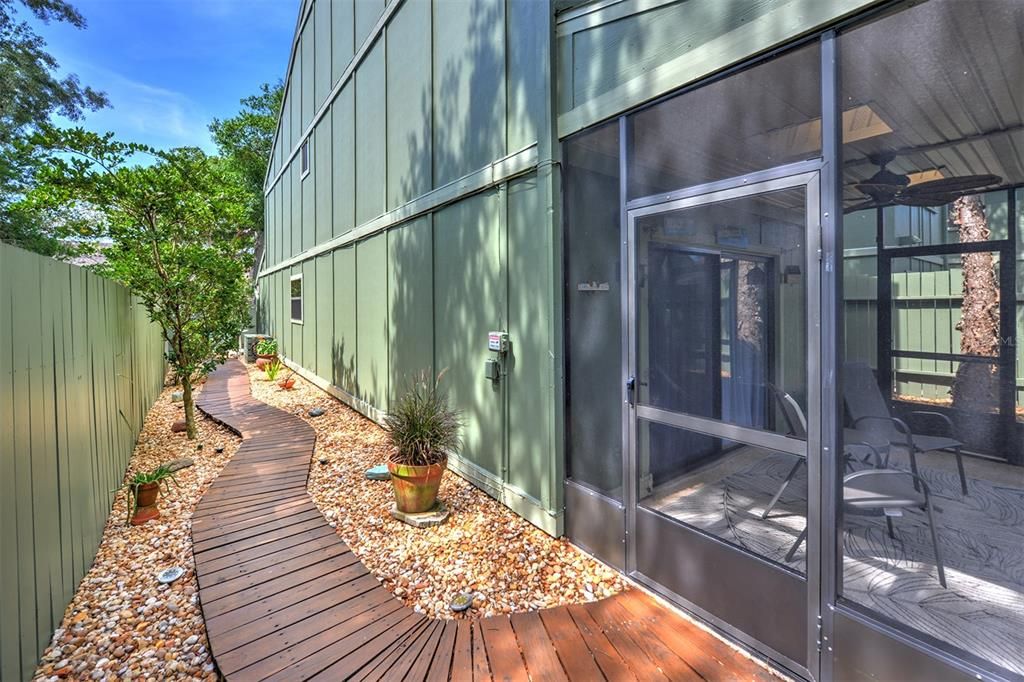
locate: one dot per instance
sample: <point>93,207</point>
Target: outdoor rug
<point>981,537</point>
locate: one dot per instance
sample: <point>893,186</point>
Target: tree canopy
<point>33,92</point>
<point>178,238</point>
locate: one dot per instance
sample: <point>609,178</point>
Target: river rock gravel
<point>484,549</point>
<point>122,623</point>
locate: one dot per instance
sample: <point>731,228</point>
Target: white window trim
<point>307,152</point>
<point>291,299</point>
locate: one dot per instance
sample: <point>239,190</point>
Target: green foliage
<point>272,369</point>
<point>32,93</point>
<point>177,241</point>
<point>244,142</point>
<point>421,427</point>
<point>266,347</point>
<point>161,475</point>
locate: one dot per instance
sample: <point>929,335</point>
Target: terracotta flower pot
<point>262,362</point>
<point>145,503</point>
<point>286,384</point>
<point>266,356</point>
<point>415,486</point>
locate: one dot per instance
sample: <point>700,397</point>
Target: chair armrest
<point>900,425</point>
<point>889,472</point>
<point>946,420</point>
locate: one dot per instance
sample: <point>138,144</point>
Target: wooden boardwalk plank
<point>284,598</point>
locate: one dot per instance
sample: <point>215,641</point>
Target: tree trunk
<point>975,389</point>
<point>190,410</point>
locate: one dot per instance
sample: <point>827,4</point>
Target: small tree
<point>176,240</point>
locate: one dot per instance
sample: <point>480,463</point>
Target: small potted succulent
<point>423,430</point>
<point>266,351</point>
<point>143,490</point>
<point>288,382</point>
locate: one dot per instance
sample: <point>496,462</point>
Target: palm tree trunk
<point>976,385</point>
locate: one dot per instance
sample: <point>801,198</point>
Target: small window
<point>296,296</point>
<point>304,158</point>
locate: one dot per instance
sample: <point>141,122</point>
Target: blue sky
<point>171,66</point>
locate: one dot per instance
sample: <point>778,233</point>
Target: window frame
<point>304,161</point>
<point>292,299</point>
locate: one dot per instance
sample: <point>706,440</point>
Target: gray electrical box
<point>492,369</point>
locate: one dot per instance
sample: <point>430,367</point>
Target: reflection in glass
<point>727,489</point>
<point>721,302</point>
<point>928,373</point>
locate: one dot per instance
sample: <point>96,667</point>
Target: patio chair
<point>867,492</point>
<point>870,412</point>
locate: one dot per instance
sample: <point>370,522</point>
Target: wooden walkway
<point>284,598</point>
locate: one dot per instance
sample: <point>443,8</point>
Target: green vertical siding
<point>531,384</point>
<point>367,13</point>
<point>410,301</point>
<point>343,344</point>
<point>448,88</point>
<point>342,36</point>
<point>372,320</point>
<point>322,52</point>
<point>469,301</point>
<point>343,119</point>
<point>84,366</point>
<point>409,104</point>
<point>469,86</point>
<point>370,140</point>
<point>307,74</point>
<point>322,182</point>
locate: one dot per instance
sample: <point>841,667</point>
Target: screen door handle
<point>631,391</point>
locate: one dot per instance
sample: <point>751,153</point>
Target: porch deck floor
<point>285,598</point>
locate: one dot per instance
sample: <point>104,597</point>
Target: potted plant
<point>143,490</point>
<point>423,431</point>
<point>287,383</point>
<point>272,369</point>
<point>266,350</point>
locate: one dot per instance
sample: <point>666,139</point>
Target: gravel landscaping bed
<point>483,547</point>
<point>124,624</point>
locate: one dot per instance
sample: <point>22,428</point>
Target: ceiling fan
<point>886,188</point>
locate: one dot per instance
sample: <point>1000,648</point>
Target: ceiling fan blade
<point>955,185</point>
<point>870,203</point>
<point>926,200</point>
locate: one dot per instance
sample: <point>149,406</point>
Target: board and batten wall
<point>429,217</point>
<point>82,364</point>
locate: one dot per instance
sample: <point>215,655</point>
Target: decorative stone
<point>323,460</point>
<point>316,412</point>
<point>219,449</point>
<point>434,517</point>
<point>179,426</point>
<point>178,464</point>
<point>379,473</point>
<point>177,396</point>
<point>461,602</point>
<point>169,575</point>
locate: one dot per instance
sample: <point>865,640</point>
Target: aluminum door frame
<point>807,175</point>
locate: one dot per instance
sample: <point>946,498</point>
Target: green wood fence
<point>81,365</point>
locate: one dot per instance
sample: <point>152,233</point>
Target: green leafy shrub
<point>266,347</point>
<point>422,427</point>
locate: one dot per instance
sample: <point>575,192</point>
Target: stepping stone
<point>169,575</point>
<point>179,464</point>
<point>316,412</point>
<point>434,517</point>
<point>379,473</point>
<point>177,396</point>
<point>461,602</point>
